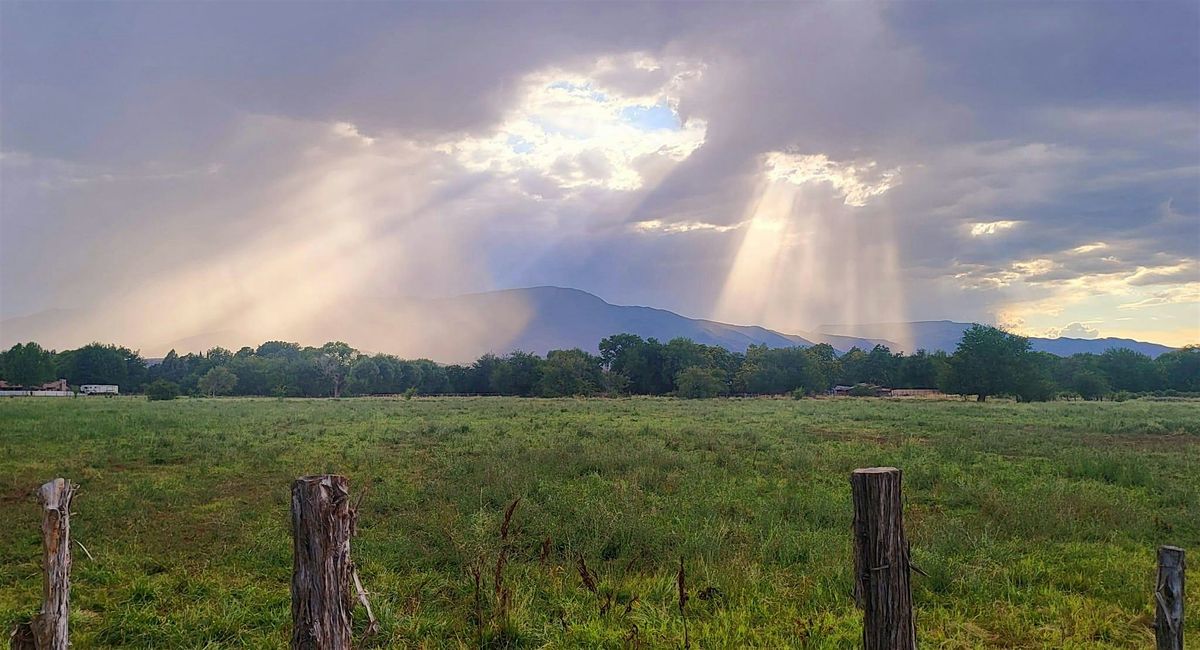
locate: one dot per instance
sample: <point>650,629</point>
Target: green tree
<point>161,389</point>
<point>279,349</point>
<point>696,382</point>
<point>364,377</point>
<point>310,376</point>
<point>988,361</point>
<point>334,360</point>
<point>1035,381</point>
<point>827,363</point>
<point>640,361</point>
<point>27,365</point>
<point>853,367</point>
<point>1129,370</point>
<point>254,373</point>
<point>881,367</point>
<point>219,356</point>
<point>217,381</point>
<point>680,353</point>
<point>516,374</point>
<point>97,363</point>
<point>921,370</point>
<point>172,368</point>
<point>1091,385</point>
<point>570,372</point>
<point>480,378</point>
<point>1180,368</point>
<point>433,377</point>
<point>772,371</point>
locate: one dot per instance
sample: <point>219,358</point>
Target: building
<point>56,388</point>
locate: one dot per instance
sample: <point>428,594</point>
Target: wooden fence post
<point>1168,599</point>
<point>881,562</point>
<point>322,523</point>
<point>48,629</point>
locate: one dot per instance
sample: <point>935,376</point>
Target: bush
<point>162,389</point>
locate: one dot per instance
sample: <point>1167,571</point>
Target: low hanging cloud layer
<point>171,173</point>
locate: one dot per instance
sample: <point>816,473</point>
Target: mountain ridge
<point>944,335</point>
<point>532,319</point>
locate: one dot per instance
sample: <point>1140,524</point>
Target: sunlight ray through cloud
<point>805,259</point>
<point>780,164</point>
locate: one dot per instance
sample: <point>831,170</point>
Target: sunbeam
<point>812,252</point>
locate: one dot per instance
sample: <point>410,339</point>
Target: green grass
<point>1036,523</point>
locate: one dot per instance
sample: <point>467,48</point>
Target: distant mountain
<point>944,335</point>
<point>537,319</point>
<point>1066,347</point>
<point>557,318</point>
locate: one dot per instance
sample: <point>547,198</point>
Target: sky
<point>174,169</point>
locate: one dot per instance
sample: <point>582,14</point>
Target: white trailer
<point>99,389</point>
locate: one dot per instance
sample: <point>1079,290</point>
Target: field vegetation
<point>1035,524</point>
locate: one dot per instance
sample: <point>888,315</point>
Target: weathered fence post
<point>48,629</point>
<point>881,562</point>
<point>1168,598</point>
<point>322,523</point>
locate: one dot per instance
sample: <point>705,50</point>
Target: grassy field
<point>1036,523</point>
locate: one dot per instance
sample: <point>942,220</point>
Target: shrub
<point>162,389</point>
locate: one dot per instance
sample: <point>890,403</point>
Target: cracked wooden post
<point>322,523</point>
<point>1168,599</point>
<point>881,562</point>
<point>48,629</point>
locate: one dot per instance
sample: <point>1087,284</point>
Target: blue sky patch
<point>651,118</point>
<point>519,144</point>
<point>585,88</point>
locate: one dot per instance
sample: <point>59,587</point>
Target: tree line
<point>987,362</point>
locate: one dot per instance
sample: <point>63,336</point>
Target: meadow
<point>1036,524</point>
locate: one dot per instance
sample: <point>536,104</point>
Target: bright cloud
<point>984,228</point>
<point>1074,331</point>
<point>658,225</point>
<point>1088,248</point>
<point>571,129</point>
<point>858,183</point>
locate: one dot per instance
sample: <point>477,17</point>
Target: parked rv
<point>99,389</point>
